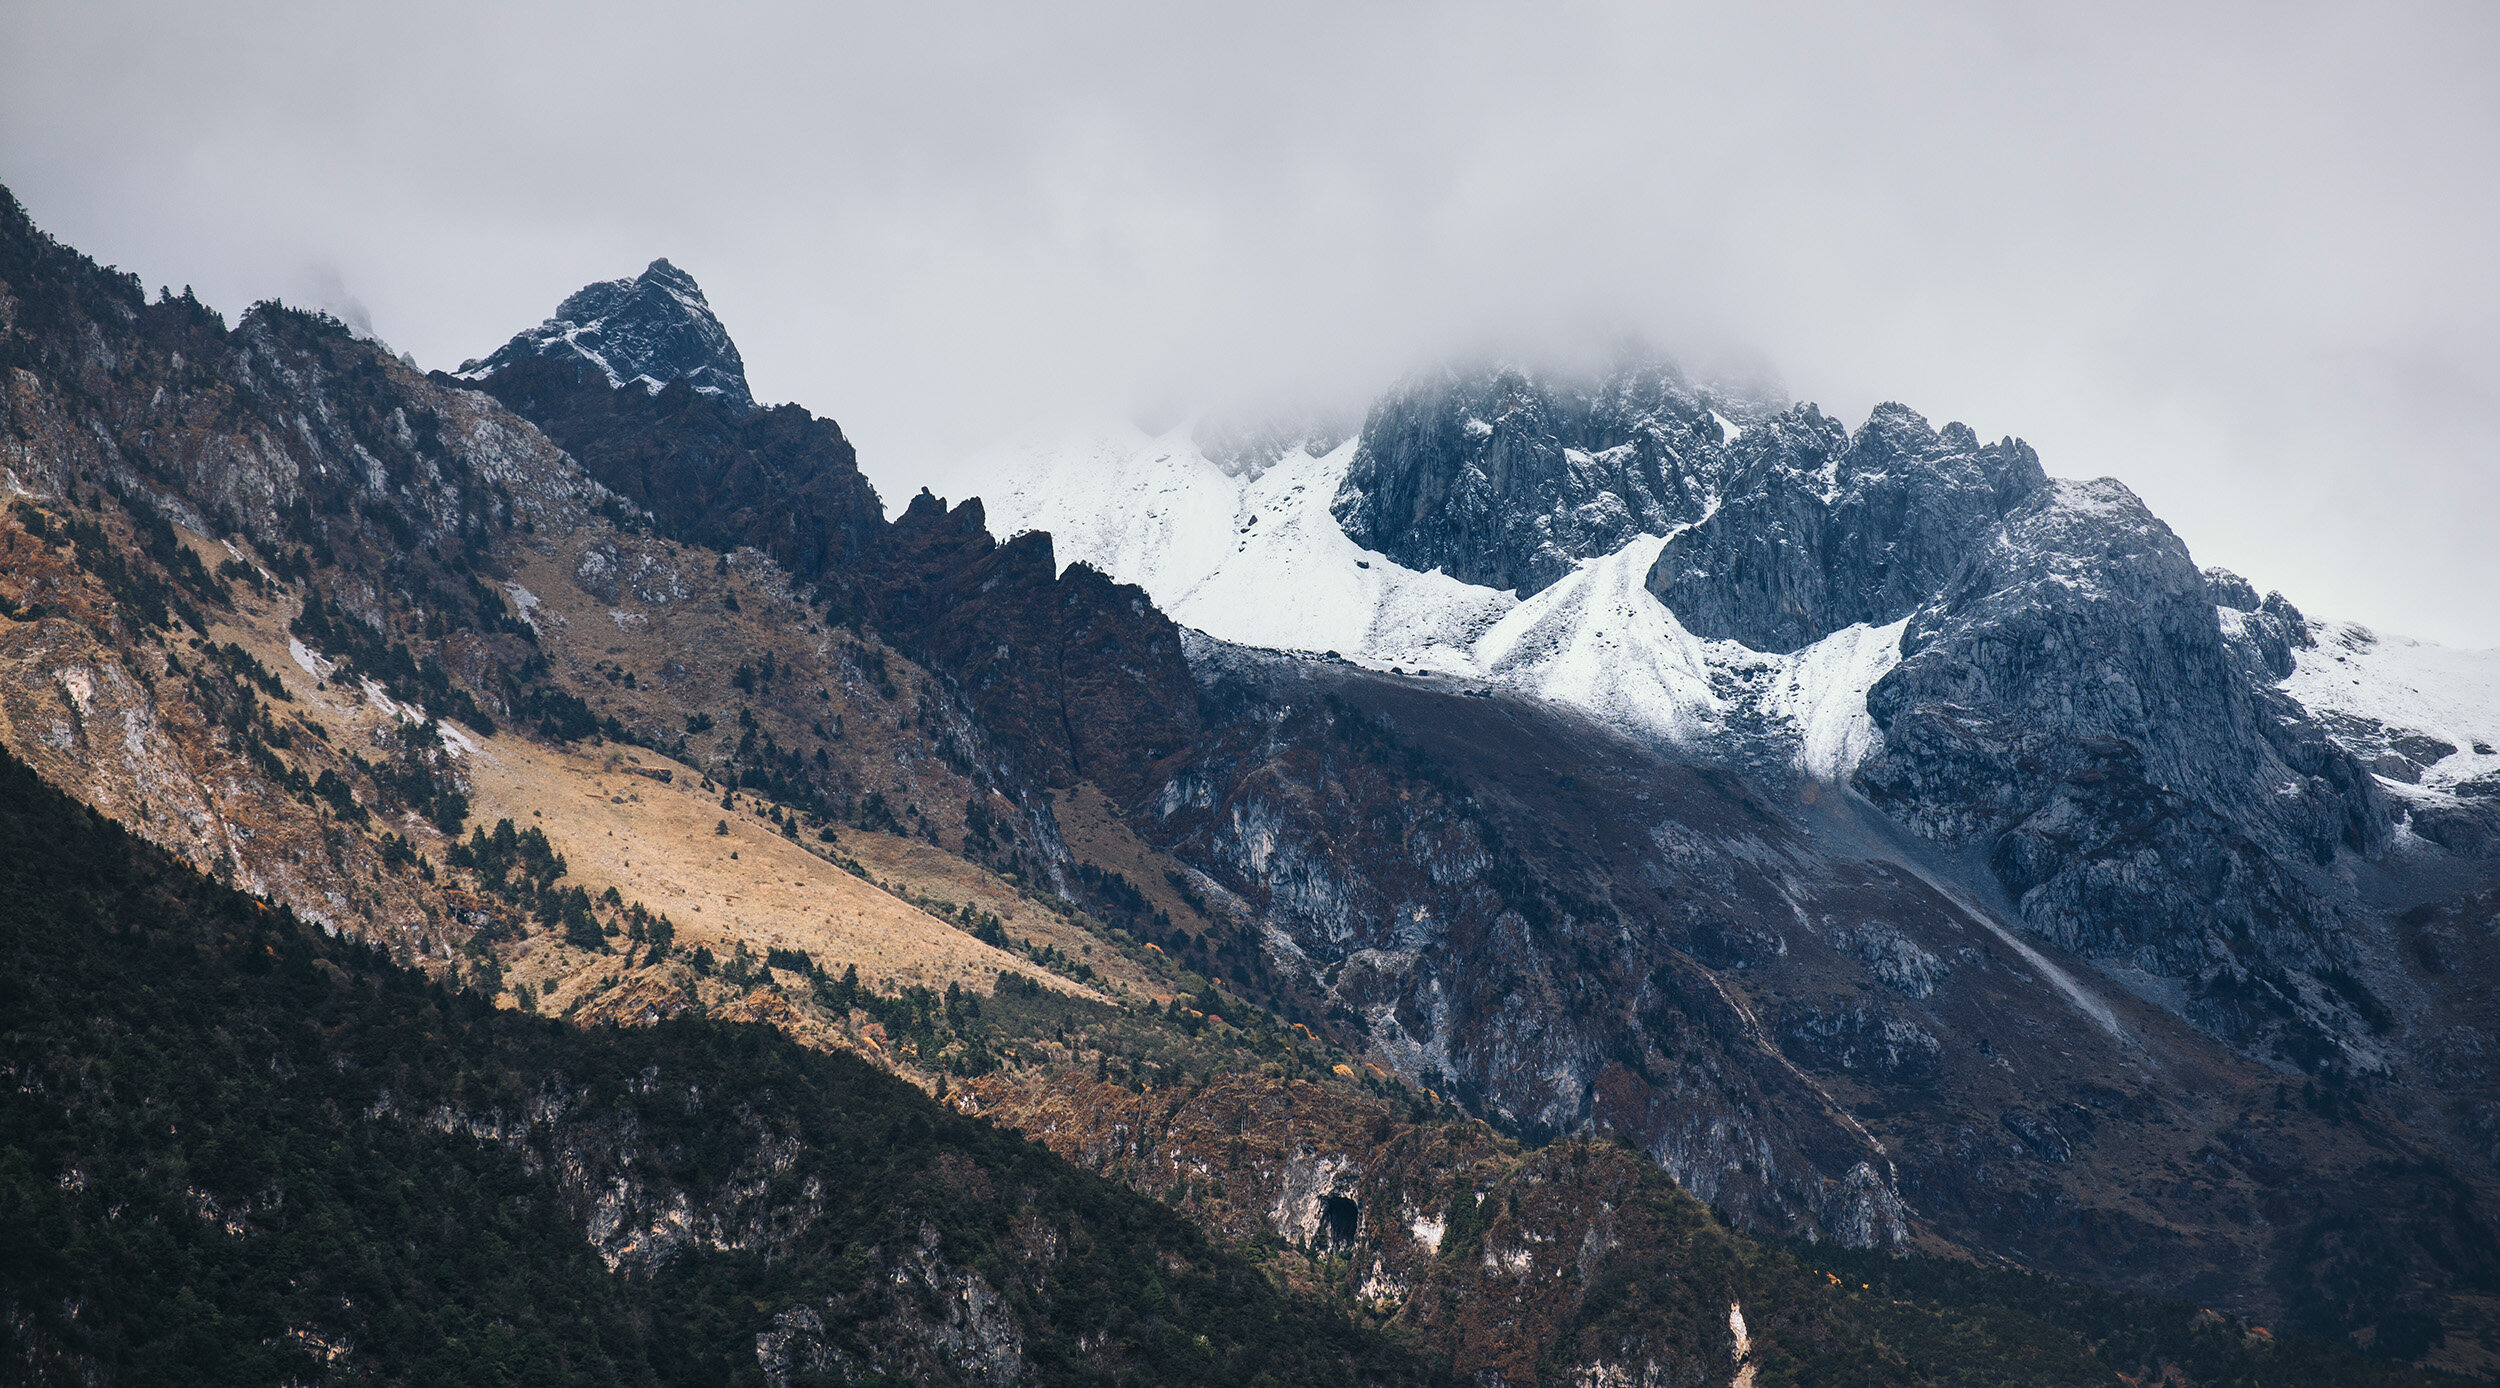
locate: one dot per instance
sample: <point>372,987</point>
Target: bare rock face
<point>1821,530</point>
<point>1502,1261</point>
<point>2070,701</point>
<point>1506,478</point>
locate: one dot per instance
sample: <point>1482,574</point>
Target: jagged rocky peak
<point>2261,633</point>
<point>1507,476</point>
<point>1822,528</point>
<point>2230,590</point>
<point>648,331</point>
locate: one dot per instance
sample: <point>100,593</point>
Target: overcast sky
<point>2245,259</point>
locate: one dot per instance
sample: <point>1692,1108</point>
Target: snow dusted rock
<point>1506,478</point>
<point>1247,445</point>
<point>1822,530</point>
<point>2082,617</point>
<point>646,331</point>
<point>1259,560</point>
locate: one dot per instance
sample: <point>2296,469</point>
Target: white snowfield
<point>2408,686</point>
<point>1258,560</point>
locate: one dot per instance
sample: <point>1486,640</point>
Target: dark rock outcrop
<point>1506,478</point>
<point>2261,634</point>
<point>1820,530</point>
<point>647,331</point>
<point>710,470</point>
<point>1083,678</point>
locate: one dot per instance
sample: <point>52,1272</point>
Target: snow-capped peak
<point>647,331</point>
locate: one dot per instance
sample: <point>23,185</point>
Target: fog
<point>2240,258</point>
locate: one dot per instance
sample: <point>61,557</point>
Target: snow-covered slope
<point>1258,559</point>
<point>1251,559</point>
<point>2419,715</point>
<point>1597,640</point>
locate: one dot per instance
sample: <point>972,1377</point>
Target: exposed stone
<point>1506,477</point>
<point>2070,701</point>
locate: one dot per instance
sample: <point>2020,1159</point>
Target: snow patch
<point>1823,692</point>
<point>1599,640</point>
<point>2408,686</point>
<point>313,663</point>
<point>524,605</point>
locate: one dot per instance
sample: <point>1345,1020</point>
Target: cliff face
<point>709,470</point>
<point>2070,703</point>
<point>1508,1264</point>
<point>1081,675</point>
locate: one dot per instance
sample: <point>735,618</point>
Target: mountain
<point>721,474</point>
<point>1441,1001</point>
<point>1823,528</point>
<point>651,330</point>
<point>1998,732</point>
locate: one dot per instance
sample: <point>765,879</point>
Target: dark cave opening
<point>1338,1220</point>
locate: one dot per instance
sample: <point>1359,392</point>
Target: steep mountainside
<point>1824,529</point>
<point>287,1160</point>
<point>722,474</point>
<point>1804,1014</point>
<point>1081,675</point>
<point>2069,704</point>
